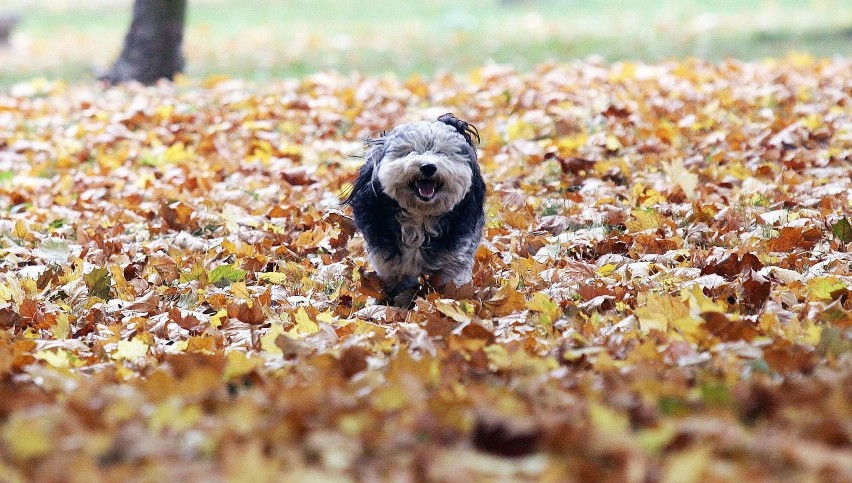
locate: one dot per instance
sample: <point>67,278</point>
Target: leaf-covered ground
<point>662,292</point>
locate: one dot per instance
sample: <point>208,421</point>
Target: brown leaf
<point>576,165</point>
<point>147,304</point>
<point>645,243</point>
<point>8,316</point>
<point>619,244</point>
<point>248,311</point>
<point>438,326</point>
<point>297,176</point>
<point>791,238</point>
<point>733,265</point>
<point>718,325</point>
<point>186,319</point>
<point>553,224</point>
<point>178,216</point>
<point>506,437</point>
<point>755,293</point>
<point>785,357</point>
<point>352,361</point>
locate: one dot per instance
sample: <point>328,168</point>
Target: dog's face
<point>426,167</point>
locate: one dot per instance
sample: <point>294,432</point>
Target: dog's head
<point>426,167</point>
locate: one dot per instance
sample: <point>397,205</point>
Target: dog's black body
<point>409,235</point>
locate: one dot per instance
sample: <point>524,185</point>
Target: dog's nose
<point>428,169</point>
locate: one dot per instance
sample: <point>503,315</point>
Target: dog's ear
<point>376,149</point>
<point>468,131</point>
<point>364,181</point>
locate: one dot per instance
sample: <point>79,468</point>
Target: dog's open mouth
<point>426,188</point>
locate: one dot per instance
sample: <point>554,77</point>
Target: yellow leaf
<point>267,342</point>
<point>177,153</point>
<point>129,350</point>
<point>177,347</point>
<point>62,328</point>
<point>389,398</point>
<point>326,317</point>
<point>608,421</point>
<point>304,325</point>
<point>277,278</point>
<point>164,111</point>
<point>640,195</point>
<point>519,130</point>
<point>201,343</point>
<point>27,436</point>
<point>354,424</point>
<point>624,71</point>
<point>698,302</point>
<point>813,122</point>
<point>654,439</point>
<point>612,143</point>
<point>661,312</point>
<point>641,220</point>
<point>290,150</point>
<point>688,466</point>
<point>507,300</point>
<point>173,414</point>
<point>607,269</point>
<point>239,364</point>
<point>240,291</point>
<point>542,303</point>
<point>498,356</point>
<point>813,334</point>
<point>689,326</point>
<point>218,317</point>
<point>821,288</point>
<point>679,175</point>
<point>5,293</point>
<point>459,311</point>
<point>568,146</point>
<point>21,232</point>
<point>214,80</point>
<point>261,151</point>
<point>59,358</point>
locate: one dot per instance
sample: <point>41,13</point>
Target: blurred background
<point>266,39</point>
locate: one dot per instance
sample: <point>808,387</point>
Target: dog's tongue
<point>426,187</point>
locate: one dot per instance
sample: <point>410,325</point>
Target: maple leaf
<point>842,230</point>
<point>662,312</point>
<point>824,288</point>
<point>543,304</point>
<point>130,350</point>
<point>682,177</point>
<point>461,312</point>
<point>99,283</point>
<point>223,275</point>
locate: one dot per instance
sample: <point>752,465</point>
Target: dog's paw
<point>404,299</point>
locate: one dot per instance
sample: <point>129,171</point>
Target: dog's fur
<point>416,223</point>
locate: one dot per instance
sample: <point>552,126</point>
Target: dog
<point>419,200</point>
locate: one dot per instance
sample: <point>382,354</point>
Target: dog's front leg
<point>398,278</point>
<point>401,294</point>
<point>454,279</point>
<point>456,267</point>
<point>399,288</point>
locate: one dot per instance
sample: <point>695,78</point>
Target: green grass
<point>264,39</point>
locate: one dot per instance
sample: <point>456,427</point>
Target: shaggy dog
<point>418,200</point>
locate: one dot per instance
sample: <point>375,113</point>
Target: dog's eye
<point>402,152</point>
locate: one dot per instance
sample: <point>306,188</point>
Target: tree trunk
<point>7,23</point>
<point>152,47</point>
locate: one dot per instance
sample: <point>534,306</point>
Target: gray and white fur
<point>418,201</point>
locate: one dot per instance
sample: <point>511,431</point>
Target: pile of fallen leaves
<point>662,292</point>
